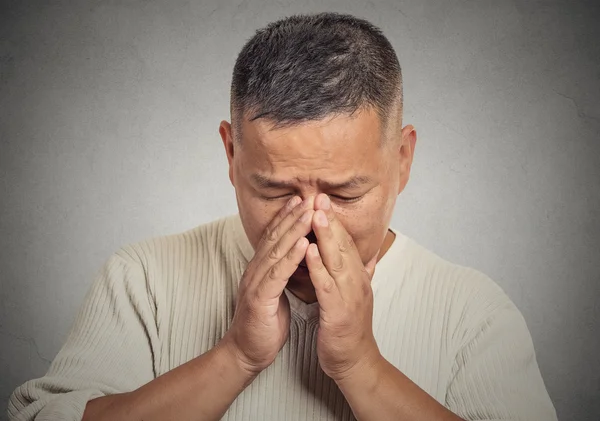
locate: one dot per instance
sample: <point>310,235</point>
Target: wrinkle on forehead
<point>348,182</point>
<point>340,146</point>
<point>342,128</point>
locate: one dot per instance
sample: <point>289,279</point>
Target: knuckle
<point>265,233</point>
<point>255,298</point>
<point>338,265</point>
<point>254,295</point>
<point>346,245</point>
<point>270,234</point>
<point>298,210</point>
<point>350,241</point>
<point>295,227</point>
<point>275,252</point>
<point>273,273</point>
<point>283,211</point>
<point>328,285</point>
<point>298,223</point>
<point>273,233</point>
<point>291,255</point>
<point>343,247</point>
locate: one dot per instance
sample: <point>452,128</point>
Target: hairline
<point>394,111</point>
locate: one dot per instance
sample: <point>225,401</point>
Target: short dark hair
<point>306,67</point>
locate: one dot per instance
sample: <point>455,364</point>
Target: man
<point>306,305</point>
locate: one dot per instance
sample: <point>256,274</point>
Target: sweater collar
<point>241,239</point>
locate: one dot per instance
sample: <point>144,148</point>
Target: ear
<point>227,137</point>
<point>406,154</point>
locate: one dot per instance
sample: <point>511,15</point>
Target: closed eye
<point>346,199</point>
<point>333,196</point>
<point>284,196</point>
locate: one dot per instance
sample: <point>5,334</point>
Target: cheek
<point>364,216</point>
<point>357,222</point>
<point>366,223</point>
<point>256,215</point>
<point>360,222</point>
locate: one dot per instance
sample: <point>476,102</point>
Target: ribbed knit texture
<point>161,302</point>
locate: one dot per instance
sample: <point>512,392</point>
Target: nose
<point>310,198</point>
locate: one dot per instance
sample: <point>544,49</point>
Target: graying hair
<point>308,67</point>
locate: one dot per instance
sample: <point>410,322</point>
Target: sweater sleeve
<point>496,374</point>
<point>109,348</point>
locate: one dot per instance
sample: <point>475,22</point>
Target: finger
<point>282,222</point>
<point>285,218</point>
<point>285,210</point>
<point>329,248</point>
<point>299,229</point>
<point>325,286</point>
<point>276,278</point>
<point>345,242</point>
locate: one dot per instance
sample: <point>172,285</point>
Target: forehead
<point>337,143</point>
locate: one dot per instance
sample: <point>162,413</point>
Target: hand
<point>261,322</point>
<point>345,341</point>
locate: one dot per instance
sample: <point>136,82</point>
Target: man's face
<point>342,157</point>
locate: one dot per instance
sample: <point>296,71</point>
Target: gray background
<point>109,112</point>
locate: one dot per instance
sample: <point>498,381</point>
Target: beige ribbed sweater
<point>158,303</point>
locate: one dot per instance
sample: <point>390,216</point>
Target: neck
<point>387,243</point>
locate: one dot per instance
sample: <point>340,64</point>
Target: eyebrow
<point>268,183</point>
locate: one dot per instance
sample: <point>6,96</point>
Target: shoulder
<point>470,297</point>
<point>197,242</point>
<point>163,263</point>
<point>466,282</point>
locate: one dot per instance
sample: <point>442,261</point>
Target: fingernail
<point>293,202</point>
<point>326,203</point>
<point>314,251</point>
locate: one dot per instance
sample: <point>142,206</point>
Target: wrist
<point>232,357</point>
<point>364,375</point>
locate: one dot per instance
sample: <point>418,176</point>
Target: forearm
<point>379,391</point>
<point>201,389</point>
